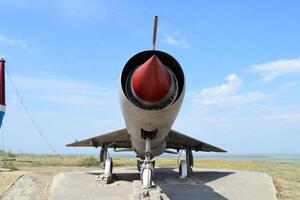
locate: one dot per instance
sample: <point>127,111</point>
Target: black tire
<point>111,166</point>
<point>153,163</point>
<point>191,159</point>
<point>180,169</point>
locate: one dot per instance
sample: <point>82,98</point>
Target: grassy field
<point>286,176</point>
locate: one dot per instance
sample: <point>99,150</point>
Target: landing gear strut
<point>147,167</point>
<point>140,162</point>
<point>185,167</point>
<point>103,155</point>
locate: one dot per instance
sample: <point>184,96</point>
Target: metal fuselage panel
<point>137,119</point>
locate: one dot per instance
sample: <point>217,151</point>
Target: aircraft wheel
<point>183,172</point>
<point>108,167</point>
<point>111,166</point>
<point>147,178</point>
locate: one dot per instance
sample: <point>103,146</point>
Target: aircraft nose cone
<point>151,81</point>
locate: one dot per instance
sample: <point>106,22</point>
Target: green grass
<point>286,176</point>
<point>90,161</point>
<point>9,165</point>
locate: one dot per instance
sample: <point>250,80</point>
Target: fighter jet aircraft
<point>152,88</point>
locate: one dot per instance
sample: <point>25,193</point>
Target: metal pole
<point>154,32</point>
<point>2,102</point>
<point>3,149</point>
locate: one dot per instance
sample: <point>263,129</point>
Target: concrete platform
<point>203,184</point>
<point>4,170</point>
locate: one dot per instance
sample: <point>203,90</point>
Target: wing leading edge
<point>115,139</point>
<point>120,139</point>
<point>176,140</point>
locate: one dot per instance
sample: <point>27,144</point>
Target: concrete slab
<point>5,170</point>
<point>203,184</point>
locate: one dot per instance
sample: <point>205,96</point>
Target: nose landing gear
<point>147,167</point>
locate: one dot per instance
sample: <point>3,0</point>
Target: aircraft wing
<point>176,140</point>
<point>115,139</point>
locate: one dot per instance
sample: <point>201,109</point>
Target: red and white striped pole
<point>2,89</point>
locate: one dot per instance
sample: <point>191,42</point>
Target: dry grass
<point>286,176</point>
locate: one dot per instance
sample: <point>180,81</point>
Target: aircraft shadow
<point>192,188</point>
<point>119,176</point>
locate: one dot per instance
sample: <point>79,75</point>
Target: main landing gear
<point>106,163</point>
<point>185,167</point>
<point>147,167</point>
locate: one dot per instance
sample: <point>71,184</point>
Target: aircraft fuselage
<point>150,119</point>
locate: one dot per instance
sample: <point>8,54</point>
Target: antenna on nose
<point>154,32</point>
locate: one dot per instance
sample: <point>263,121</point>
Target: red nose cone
<point>151,81</point>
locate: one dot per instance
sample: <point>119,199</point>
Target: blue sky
<point>241,62</point>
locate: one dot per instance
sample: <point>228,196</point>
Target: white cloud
<point>234,82</point>
<point>70,94</point>
<point>274,69</point>
<point>84,10</point>
<point>12,41</point>
<point>293,117</point>
<point>288,86</point>
<point>176,38</point>
<point>226,94</point>
<point>64,110</point>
